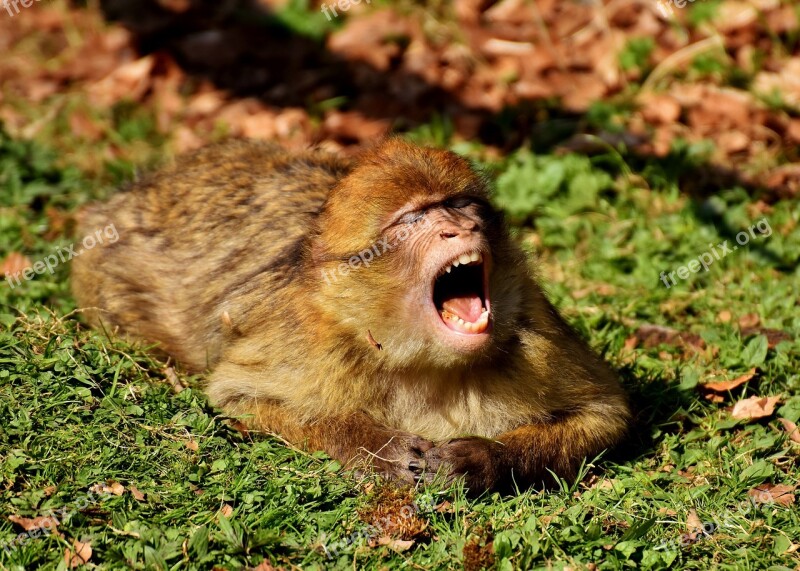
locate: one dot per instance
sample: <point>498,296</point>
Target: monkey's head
<point>410,249</point>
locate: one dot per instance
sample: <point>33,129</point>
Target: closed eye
<point>411,217</point>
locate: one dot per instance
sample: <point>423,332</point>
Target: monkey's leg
<point>355,440</point>
<point>524,456</point>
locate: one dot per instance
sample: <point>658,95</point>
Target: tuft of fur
<point>231,259</point>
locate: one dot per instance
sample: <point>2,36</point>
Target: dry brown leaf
<point>351,125</point>
<point>226,510</point>
<point>769,493</point>
<point>29,524</point>
<point>659,109</point>
<point>445,507</point>
<point>128,81</point>
<point>111,487</point>
<point>693,522</point>
<point>15,263</point>
<point>84,127</point>
<point>654,335</point>
<point>774,336</point>
<point>396,544</point>
<point>137,495</point>
<point>755,407</point>
<point>59,223</point>
<point>724,386</point>
<point>786,83</point>
<point>749,320</point>
<point>240,427</point>
<point>79,554</point>
<point>791,429</point>
<point>793,131</point>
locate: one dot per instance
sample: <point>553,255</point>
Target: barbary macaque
<point>376,309</point>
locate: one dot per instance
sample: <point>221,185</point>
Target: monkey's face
<point>423,254</point>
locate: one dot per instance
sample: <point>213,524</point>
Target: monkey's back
<point>197,237</point>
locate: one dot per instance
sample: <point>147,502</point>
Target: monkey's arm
<point>355,440</point>
<point>526,455</point>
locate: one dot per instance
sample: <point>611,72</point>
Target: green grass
<point>80,410</point>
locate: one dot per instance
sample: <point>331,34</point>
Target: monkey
<point>376,308</point>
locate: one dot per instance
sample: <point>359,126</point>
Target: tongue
<point>467,307</point>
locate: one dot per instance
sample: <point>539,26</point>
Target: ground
<point>658,200</point>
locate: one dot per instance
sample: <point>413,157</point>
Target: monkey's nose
<point>464,228</point>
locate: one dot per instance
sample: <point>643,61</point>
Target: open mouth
<point>460,294</point>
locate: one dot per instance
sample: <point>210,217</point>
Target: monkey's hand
<point>479,460</point>
<point>401,457</point>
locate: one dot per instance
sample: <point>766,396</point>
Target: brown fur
<point>221,258</point>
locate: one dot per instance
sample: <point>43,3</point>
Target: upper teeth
<point>465,259</point>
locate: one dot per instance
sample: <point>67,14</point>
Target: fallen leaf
<point>658,108</point>
<point>724,316</point>
<point>59,223</point>
<point>445,507</point>
<point>396,544</point>
<point>240,427</point>
<point>79,554</point>
<point>110,488</point>
<point>654,335</point>
<point>749,320</point>
<point>791,429</point>
<point>137,495</point>
<point>128,81</point>
<point>755,407</point>
<point>84,127</point>
<point>29,524</point>
<point>226,510</point>
<point>15,263</point>
<point>693,522</point>
<point>724,386</point>
<point>769,493</point>
<point>774,336</point>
